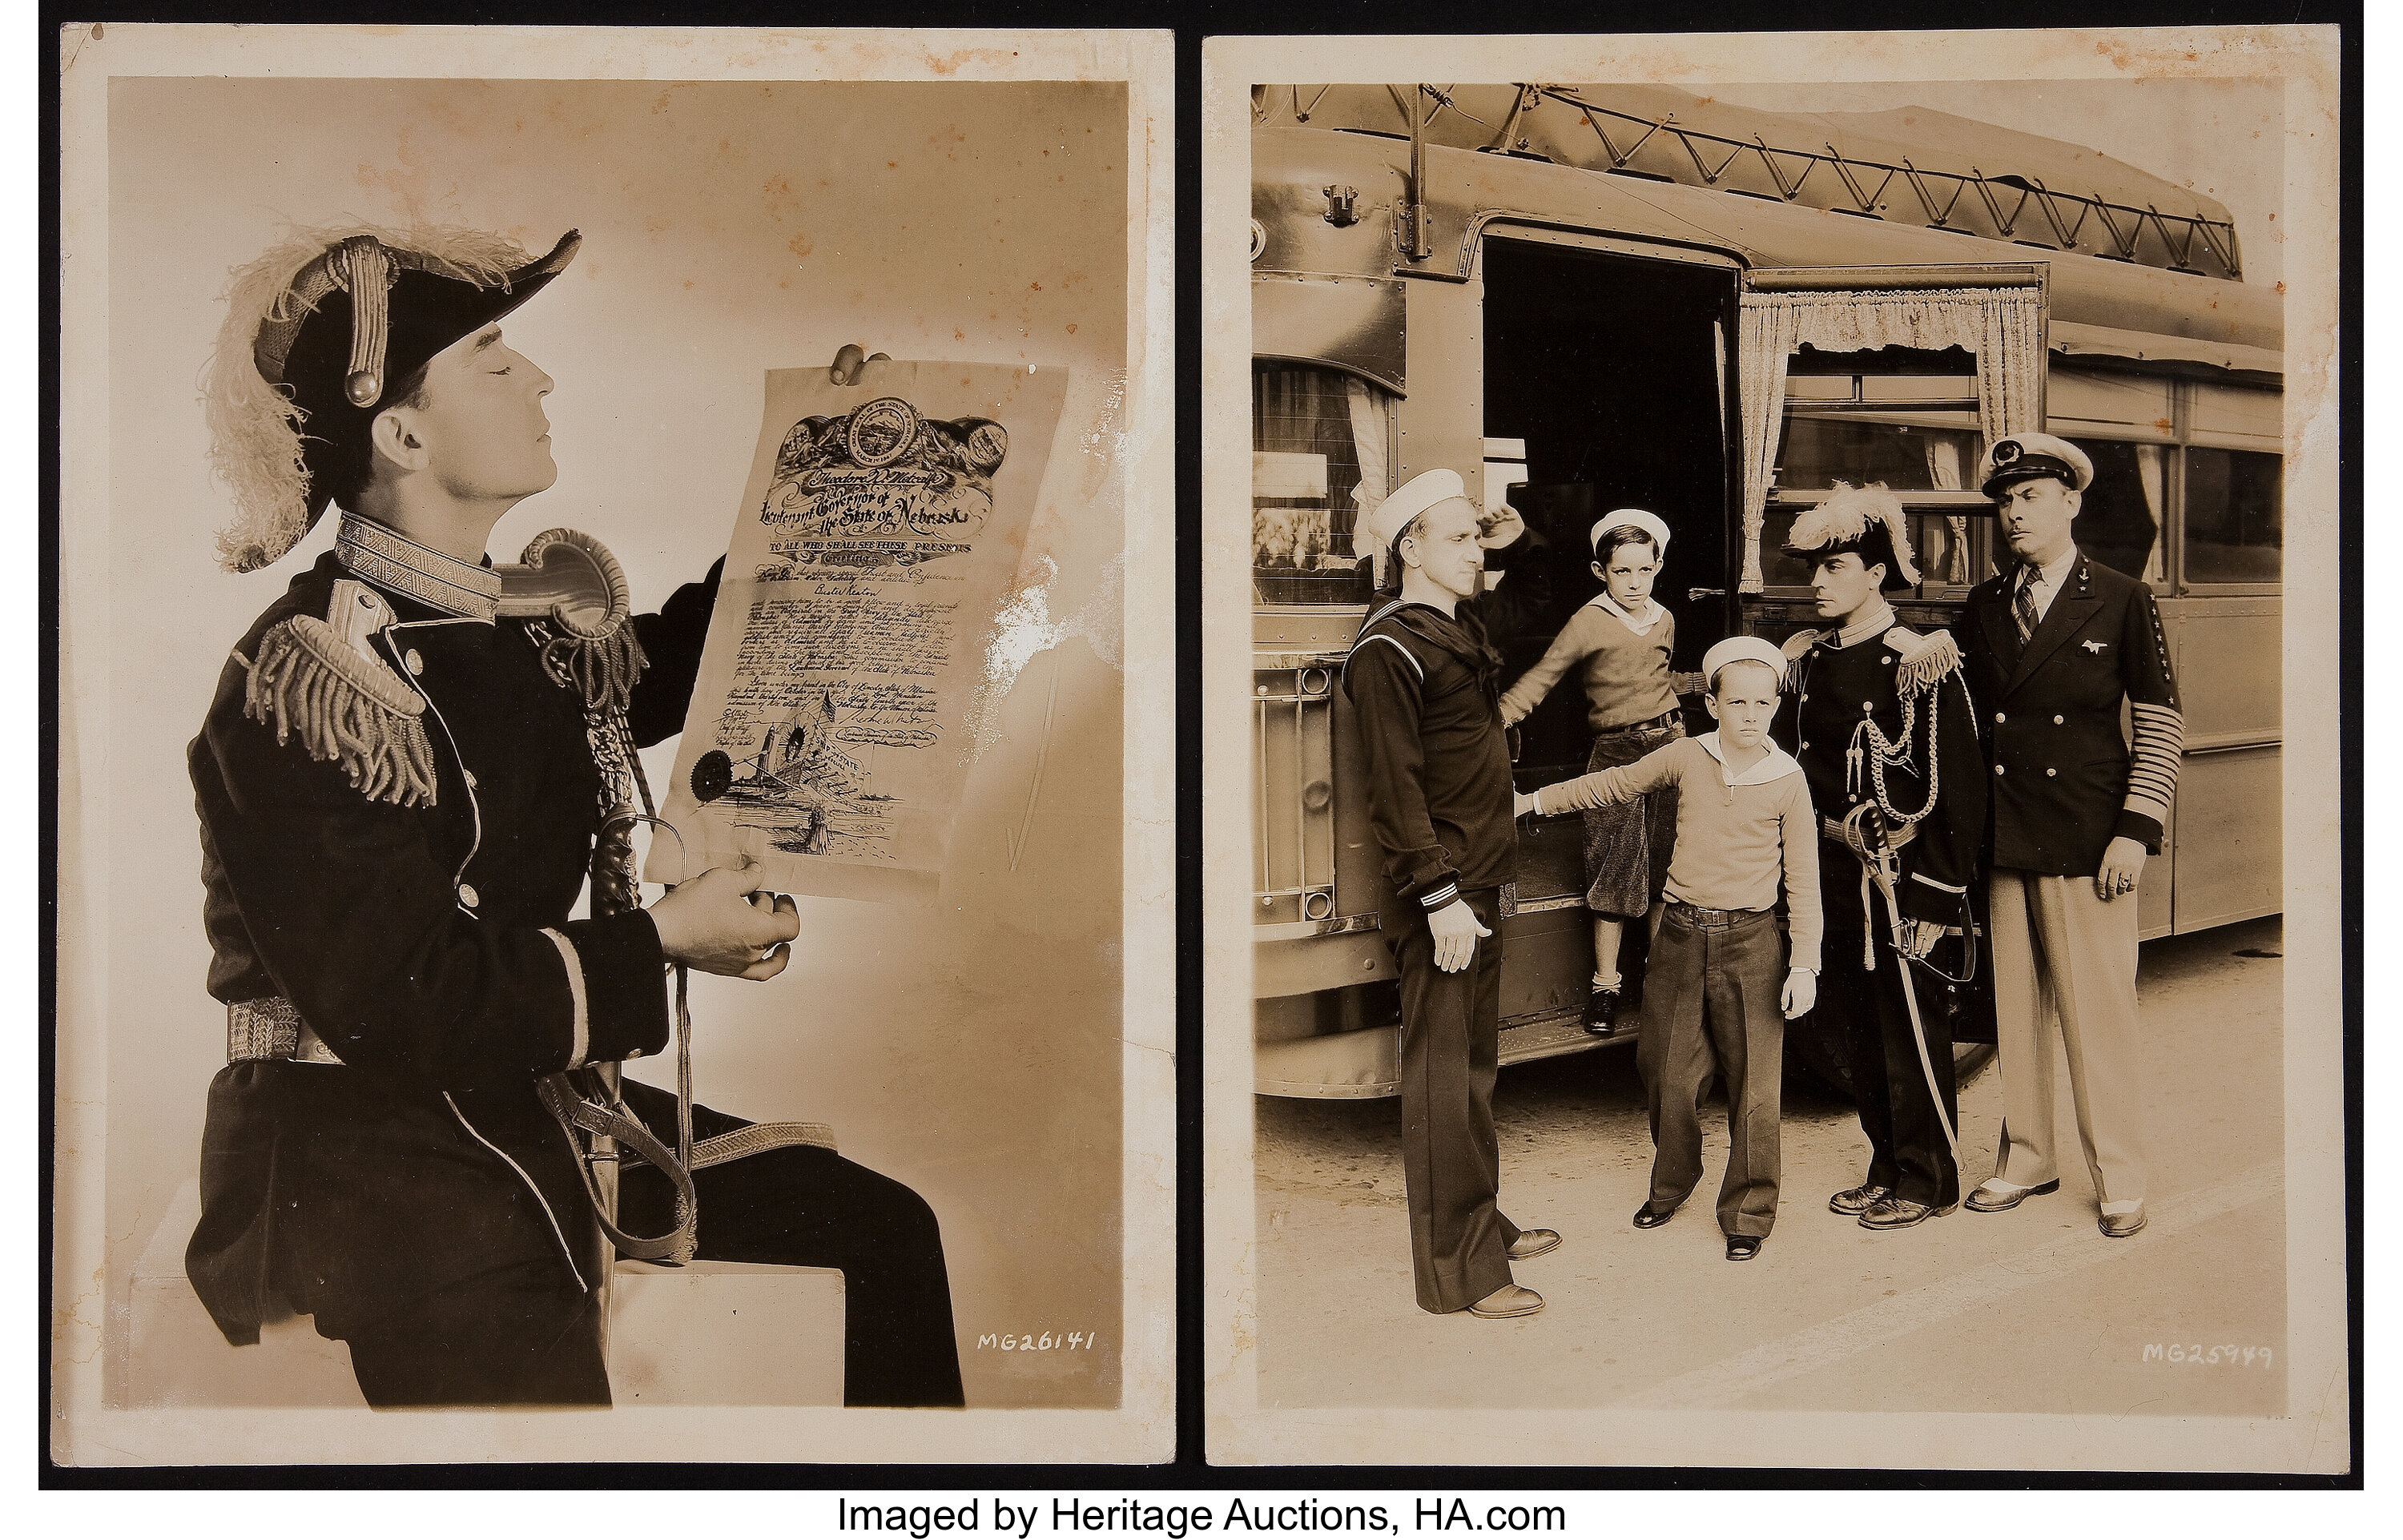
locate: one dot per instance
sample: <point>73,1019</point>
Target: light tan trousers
<point>2065,975</point>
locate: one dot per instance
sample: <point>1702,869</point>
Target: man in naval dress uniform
<point>2058,645</point>
<point>401,791</point>
<point>1878,717</point>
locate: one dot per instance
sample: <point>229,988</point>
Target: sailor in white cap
<point>1423,680</point>
<point>1881,723</point>
<point>2055,646</point>
<point>1620,641</point>
<point>1722,983</point>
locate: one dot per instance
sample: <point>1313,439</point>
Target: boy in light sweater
<point>1744,827</point>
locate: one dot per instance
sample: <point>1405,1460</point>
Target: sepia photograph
<point>1760,914</point>
<point>594,568</point>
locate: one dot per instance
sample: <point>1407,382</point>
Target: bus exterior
<point>1584,298</point>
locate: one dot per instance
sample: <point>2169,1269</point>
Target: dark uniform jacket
<point>430,948</point>
<point>2065,780</point>
<point>1829,691</point>
<point>1425,689</point>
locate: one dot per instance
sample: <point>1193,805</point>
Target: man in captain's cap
<point>2057,644</point>
<point>1423,680</point>
<point>403,783</point>
<point>1877,716</point>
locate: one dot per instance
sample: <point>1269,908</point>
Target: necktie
<point>2023,603</point>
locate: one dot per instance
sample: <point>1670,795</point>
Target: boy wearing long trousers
<point>1744,829</point>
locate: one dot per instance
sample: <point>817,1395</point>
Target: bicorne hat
<point>317,334</point>
<point>1866,520</point>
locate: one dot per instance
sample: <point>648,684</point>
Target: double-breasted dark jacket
<point>1834,695</point>
<point>429,947</point>
<point>2062,778</point>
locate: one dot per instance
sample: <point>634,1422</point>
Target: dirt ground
<point>2030,1311</point>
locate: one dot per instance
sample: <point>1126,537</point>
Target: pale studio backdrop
<point>970,1048</point>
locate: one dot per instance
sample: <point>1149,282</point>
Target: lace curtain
<point>1367,408</point>
<point>1944,474</point>
<point>2003,327</point>
<point>1369,442</point>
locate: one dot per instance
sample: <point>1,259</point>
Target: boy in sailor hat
<point>403,782</point>
<point>1880,718</point>
<point>1746,830</point>
<point>1620,641</point>
<point>1422,678</point>
<point>2055,646</point>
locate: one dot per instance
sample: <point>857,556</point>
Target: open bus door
<point>1900,375</point>
<point>1602,379</point>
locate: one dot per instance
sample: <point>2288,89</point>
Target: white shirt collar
<point>1652,612</point>
<point>2053,574</point>
<point>1776,765</point>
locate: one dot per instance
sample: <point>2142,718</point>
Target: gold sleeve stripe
<point>2158,740</point>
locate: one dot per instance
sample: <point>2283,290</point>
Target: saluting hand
<point>2123,867</point>
<point>721,923</point>
<point>1497,530</point>
<point>1456,932</point>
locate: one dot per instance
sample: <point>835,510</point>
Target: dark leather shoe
<point>1994,1198</point>
<point>1534,1243</point>
<point>1601,1013</point>
<point>1647,1217</point>
<point>1858,1201</point>
<point>1507,1303</point>
<point>2118,1226</point>
<point>1743,1248</point>
<point>1890,1212</point>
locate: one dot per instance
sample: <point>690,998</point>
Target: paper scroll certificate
<point>832,729</point>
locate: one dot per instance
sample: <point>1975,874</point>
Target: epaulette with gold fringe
<point>315,679</point>
<point>576,604</point>
<point>1800,643</point>
<point>1923,661</point>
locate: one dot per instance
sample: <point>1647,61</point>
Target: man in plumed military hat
<point>406,775</point>
<point>1423,677</point>
<point>1878,714</point>
<point>2058,645</point>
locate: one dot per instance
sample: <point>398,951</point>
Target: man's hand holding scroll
<point>722,923</point>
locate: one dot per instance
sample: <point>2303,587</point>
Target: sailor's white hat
<point>1650,523</point>
<point>1743,649</point>
<point>1387,519</point>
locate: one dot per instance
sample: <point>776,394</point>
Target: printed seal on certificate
<point>881,432</point>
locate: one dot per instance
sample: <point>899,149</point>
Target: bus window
<point>1322,447</point>
<point>2120,518</point>
<point>1818,452</point>
<point>2233,517</point>
<point>1907,457</point>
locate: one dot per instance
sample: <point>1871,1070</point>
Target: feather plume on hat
<point>1868,520</point>
<point>253,427</point>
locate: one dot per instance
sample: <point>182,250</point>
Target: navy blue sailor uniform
<point>398,807</point>
<point>1847,693</point>
<point>1425,692</point>
<point>2065,780</point>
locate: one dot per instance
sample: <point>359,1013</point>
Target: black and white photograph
<point>593,570</point>
<point>1761,912</point>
